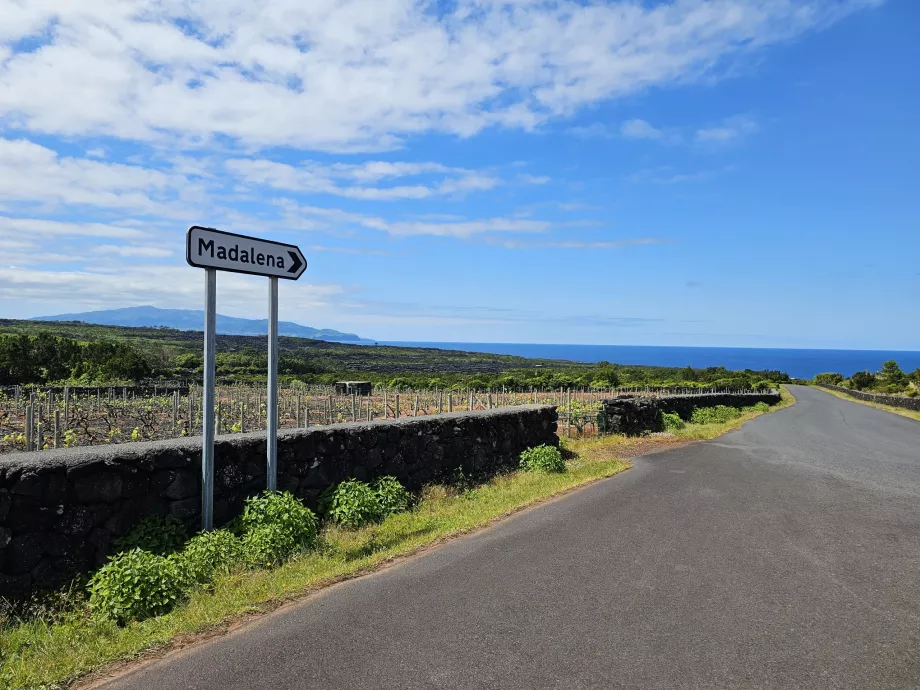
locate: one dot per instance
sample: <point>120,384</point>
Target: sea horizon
<point>797,362</point>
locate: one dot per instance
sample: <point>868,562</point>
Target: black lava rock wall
<point>61,510</point>
<point>633,416</point>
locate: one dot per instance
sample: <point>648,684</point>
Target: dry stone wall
<point>61,510</point>
<point>632,415</point>
<point>892,400</point>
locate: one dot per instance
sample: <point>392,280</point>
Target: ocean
<point>796,363</point>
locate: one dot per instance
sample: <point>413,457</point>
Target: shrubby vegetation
<point>355,503</point>
<point>158,568</point>
<point>76,353</point>
<point>542,459</point>
<point>156,534</point>
<point>890,379</point>
<point>671,422</point>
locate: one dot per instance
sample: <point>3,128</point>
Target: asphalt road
<point>782,555</point>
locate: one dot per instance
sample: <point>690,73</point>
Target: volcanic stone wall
<point>61,510</point>
<point>893,400</point>
<point>632,415</point>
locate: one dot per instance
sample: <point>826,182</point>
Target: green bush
<point>156,534</point>
<point>758,407</point>
<point>354,503</point>
<point>135,585</point>
<point>542,459</point>
<point>714,415</point>
<point>267,546</point>
<point>210,553</point>
<point>672,422</point>
<point>392,496</point>
<point>281,511</point>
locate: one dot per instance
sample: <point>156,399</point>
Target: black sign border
<point>188,253</point>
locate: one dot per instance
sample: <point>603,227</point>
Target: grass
<point>50,652</point>
<point>53,650</point>
<point>910,414</point>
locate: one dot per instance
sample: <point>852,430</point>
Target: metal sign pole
<point>215,250</point>
<point>271,468</point>
<point>207,400</point>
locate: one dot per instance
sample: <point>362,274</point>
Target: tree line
<point>45,358</point>
<point>889,379</point>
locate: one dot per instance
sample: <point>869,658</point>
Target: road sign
<point>226,251</point>
<point>215,250</point>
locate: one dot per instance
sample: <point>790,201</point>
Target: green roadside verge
<point>55,648</point>
<point>910,414</point>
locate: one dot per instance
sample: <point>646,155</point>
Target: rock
<point>23,553</point>
<point>185,509</point>
<point>183,485</point>
<point>5,503</point>
<point>29,485</point>
<point>104,487</point>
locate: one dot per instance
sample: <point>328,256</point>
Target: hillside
<point>191,319</point>
<point>46,351</point>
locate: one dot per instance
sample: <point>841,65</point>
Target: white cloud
<point>33,173</point>
<point>468,228</point>
<point>595,130</point>
<point>134,251</point>
<point>162,286</point>
<point>352,74</point>
<point>729,130</point>
<point>311,177</point>
<point>640,129</point>
<point>35,227</point>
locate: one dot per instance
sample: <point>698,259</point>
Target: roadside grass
<point>52,651</point>
<point>910,414</point>
<point>704,432</point>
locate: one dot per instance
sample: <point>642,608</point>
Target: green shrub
<point>672,422</point>
<point>542,459</point>
<point>758,407</point>
<point>392,496</point>
<point>135,585</point>
<point>210,553</point>
<point>156,534</point>
<point>714,415</point>
<point>281,511</point>
<point>354,503</point>
<point>267,546</point>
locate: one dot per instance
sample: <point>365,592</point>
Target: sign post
<point>214,250</point>
<point>272,450</point>
<point>207,400</point>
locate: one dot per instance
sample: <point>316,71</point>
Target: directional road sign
<point>215,250</point>
<point>225,251</point>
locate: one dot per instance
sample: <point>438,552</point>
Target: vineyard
<point>41,419</point>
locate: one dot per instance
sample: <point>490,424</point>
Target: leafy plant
<point>542,458</point>
<point>282,512</point>
<point>672,422</point>
<point>267,546</point>
<point>210,553</point>
<point>392,496</point>
<point>355,503</point>
<point>156,534</point>
<point>758,407</point>
<point>135,585</point>
<point>714,415</point>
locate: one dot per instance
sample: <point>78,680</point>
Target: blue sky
<point>732,172</point>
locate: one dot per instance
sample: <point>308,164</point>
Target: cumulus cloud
<point>640,129</point>
<point>353,74</point>
<point>729,130</point>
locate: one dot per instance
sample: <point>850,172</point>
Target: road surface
<point>782,555</point>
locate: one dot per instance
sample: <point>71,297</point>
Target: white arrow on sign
<point>226,251</point>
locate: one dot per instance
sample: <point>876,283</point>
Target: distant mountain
<point>193,320</point>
